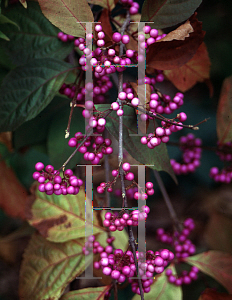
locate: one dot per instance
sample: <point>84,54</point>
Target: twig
<point>120,159</point>
<point>67,131</point>
<point>155,116</point>
<point>167,199</point>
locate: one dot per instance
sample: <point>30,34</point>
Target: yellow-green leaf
<point>48,267</point>
<point>68,15</point>
<point>87,294</point>
<point>61,218</point>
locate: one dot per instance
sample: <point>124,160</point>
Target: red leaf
<point>224,112</point>
<point>195,70</point>
<point>216,264</point>
<point>13,195</point>
<point>106,26</point>
<point>178,47</point>
<point>211,294</point>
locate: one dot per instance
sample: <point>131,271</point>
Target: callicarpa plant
<point>96,90</point>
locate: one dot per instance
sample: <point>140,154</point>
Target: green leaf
<point>68,15</point>
<point>48,267</point>
<point>36,33</point>
<point>61,218</point>
<point>161,289</point>
<point>87,294</point>
<point>36,131</point>
<point>156,158</point>
<point>4,20</point>
<point>224,112</point>
<point>28,89</point>
<point>166,13</point>
<point>57,145</point>
<point>216,264</point>
<point>3,36</point>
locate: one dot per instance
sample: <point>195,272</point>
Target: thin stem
<point>67,131</point>
<point>89,133</point>
<point>167,199</point>
<point>120,159</point>
<point>161,118</point>
<point>107,177</point>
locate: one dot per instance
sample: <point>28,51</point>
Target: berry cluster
<point>95,246</point>
<point>183,247</point>
<point>65,37</point>
<point>191,156</point>
<point>99,145</point>
<point>123,219</point>
<point>163,104</point>
<point>148,265</point>
<point>184,278</point>
<point>224,175</point>
<point>120,265</point>
<point>52,183</point>
<point>130,177</point>
<point>131,5</point>
<point>98,90</point>
<point>161,134</point>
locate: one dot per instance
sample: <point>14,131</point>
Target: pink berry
<point>39,166</point>
<point>125,39</point>
<point>116,37</point>
<point>126,167</point>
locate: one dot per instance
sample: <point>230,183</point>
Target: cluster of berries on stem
<point>138,194</point>
<point>225,154</point>
<point>183,247</point>
<point>120,265</point>
<point>100,146</point>
<point>123,219</point>
<point>52,183</point>
<point>191,148</point>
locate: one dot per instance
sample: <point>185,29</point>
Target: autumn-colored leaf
<point>224,112</point>
<point>166,13</point>
<point>195,70</point>
<point>106,26</point>
<point>68,15</point>
<point>211,294</point>
<point>178,47</point>
<point>108,4</point>
<point>216,264</point>
<point>96,293</point>
<point>24,3</point>
<point>6,139</point>
<point>13,197</point>
<point>48,267</point>
<point>161,289</point>
<point>61,218</point>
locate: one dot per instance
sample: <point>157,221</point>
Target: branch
<point>120,158</point>
<point>167,199</point>
<point>155,116</point>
